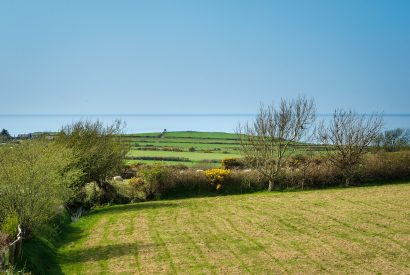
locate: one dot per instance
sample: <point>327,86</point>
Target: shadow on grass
<point>40,254</point>
<point>105,252</point>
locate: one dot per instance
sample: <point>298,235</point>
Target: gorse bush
<point>217,177</point>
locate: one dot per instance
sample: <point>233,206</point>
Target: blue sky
<point>87,57</point>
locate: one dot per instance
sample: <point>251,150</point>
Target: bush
<point>10,225</point>
<point>304,172</point>
<point>136,191</point>
<point>385,166</point>
<point>156,180</point>
<point>189,181</point>
<point>217,176</point>
<point>232,163</point>
<point>240,181</point>
<point>35,182</point>
<point>4,240</point>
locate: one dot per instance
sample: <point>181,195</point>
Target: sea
<point>143,123</point>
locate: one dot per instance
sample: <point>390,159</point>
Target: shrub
<point>385,166</point>
<point>10,225</point>
<point>240,181</point>
<point>35,180</point>
<point>308,172</point>
<point>232,163</point>
<point>217,176</point>
<point>188,181</point>
<point>4,241</point>
<point>156,180</point>
<point>192,149</point>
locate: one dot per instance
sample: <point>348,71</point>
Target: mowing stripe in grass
<point>129,232</point>
<point>212,228</point>
<point>361,232</point>
<point>187,223</point>
<point>230,224</point>
<point>296,245</point>
<point>236,234</point>
<point>360,237</point>
<point>298,228</point>
<point>156,236</point>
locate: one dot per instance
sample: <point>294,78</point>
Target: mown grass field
<point>194,148</point>
<point>357,230</point>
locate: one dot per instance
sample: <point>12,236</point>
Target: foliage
<point>386,166</point>
<point>39,253</point>
<point>12,270</point>
<point>217,177</point>
<point>4,240</point>
<point>34,181</point>
<point>393,140</point>
<point>154,180</point>
<point>4,135</point>
<point>10,224</point>
<point>232,163</point>
<point>98,150</point>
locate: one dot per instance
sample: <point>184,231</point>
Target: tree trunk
<point>270,187</point>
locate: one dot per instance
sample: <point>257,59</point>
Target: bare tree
<point>347,137</point>
<point>270,139</point>
<point>393,140</point>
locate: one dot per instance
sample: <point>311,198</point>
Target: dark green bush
<point>232,163</point>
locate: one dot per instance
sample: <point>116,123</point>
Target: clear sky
<point>82,57</point>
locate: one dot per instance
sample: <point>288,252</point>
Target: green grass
<point>213,146</point>
<point>194,156</point>
<point>355,230</point>
<point>193,134</point>
<point>208,146</point>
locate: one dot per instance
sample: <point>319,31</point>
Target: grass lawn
<point>355,230</point>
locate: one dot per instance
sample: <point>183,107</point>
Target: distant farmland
<point>188,148</point>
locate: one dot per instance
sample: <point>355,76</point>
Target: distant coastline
<point>145,122</point>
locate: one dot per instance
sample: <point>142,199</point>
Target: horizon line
<point>175,114</point>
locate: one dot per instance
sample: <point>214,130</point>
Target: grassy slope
<point>360,230</point>
<point>196,156</point>
<point>193,134</point>
<point>214,141</point>
<point>220,145</point>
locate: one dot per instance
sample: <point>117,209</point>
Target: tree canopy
<point>98,149</point>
